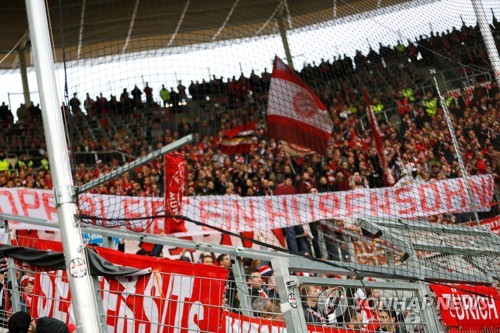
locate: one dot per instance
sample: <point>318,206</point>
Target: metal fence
<point>245,291</point>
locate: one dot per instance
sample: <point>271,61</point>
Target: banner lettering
<point>172,298</point>
<point>468,307</point>
<point>239,214</point>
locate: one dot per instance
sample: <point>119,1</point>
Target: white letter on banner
<point>254,328</point>
<point>235,325</point>
<point>492,306</point>
<point>110,302</point>
<point>197,310</point>
<point>468,304</point>
<point>44,304</point>
<point>62,300</point>
<point>124,312</point>
<point>183,288</point>
<point>245,327</point>
<point>264,329</point>
<point>150,306</point>
<point>482,305</point>
<point>8,203</point>
<point>459,306</point>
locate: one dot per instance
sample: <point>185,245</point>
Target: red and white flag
<point>294,150</point>
<point>294,113</point>
<point>388,177</point>
<point>238,140</point>
<point>175,180</point>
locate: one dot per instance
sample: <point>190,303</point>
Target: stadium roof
<point>94,28</point>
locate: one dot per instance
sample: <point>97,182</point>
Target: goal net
<point>340,130</point>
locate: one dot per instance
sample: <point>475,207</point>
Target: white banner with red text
<point>263,213</point>
<point>173,298</point>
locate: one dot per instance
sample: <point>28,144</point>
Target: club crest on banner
<point>304,104</point>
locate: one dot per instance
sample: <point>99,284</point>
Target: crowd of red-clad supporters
<point>415,133</point>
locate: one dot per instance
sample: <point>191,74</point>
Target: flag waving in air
<point>294,113</point>
<point>238,140</point>
<point>388,177</point>
<point>175,177</point>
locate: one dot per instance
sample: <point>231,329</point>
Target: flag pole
<point>284,38</point>
<point>83,295</point>
<point>387,177</point>
<point>454,141</point>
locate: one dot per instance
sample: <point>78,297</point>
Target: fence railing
<point>259,291</point>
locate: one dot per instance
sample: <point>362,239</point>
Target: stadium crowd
<point>415,134</point>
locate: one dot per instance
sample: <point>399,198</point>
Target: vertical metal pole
<point>291,305</point>
<point>82,292</point>
<point>466,78</point>
<point>107,242</point>
<point>465,174</point>
<point>11,274</point>
<point>284,39</point>
<point>429,310</point>
<point>489,42</point>
<point>100,305</point>
<point>242,287</point>
<point>24,77</point>
<point>11,107</point>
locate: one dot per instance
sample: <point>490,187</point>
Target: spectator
<point>422,140</point>
<point>148,91</point>
<point>182,91</point>
<point>165,95</point>
<point>26,284</point>
<point>387,321</point>
<point>50,325</point>
<point>136,97</point>
<point>309,296</point>
<point>207,259</point>
<point>23,113</point>
<point>6,116</point>
<point>256,286</point>
<point>75,103</point>
<point>354,320</point>
<point>4,164</point>
<point>21,322</point>
<point>230,294</point>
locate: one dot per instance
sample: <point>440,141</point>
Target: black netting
<point>328,129</point>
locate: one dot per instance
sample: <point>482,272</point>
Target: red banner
<point>173,298</point>
<point>175,180</point>
<point>468,307</point>
<point>492,223</point>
